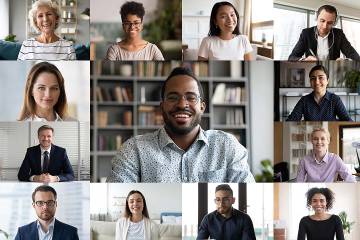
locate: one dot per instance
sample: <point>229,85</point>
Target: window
<point>289,23</point>
<point>351,29</point>
<point>262,21</point>
<point>350,140</point>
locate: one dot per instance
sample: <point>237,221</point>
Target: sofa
<point>10,50</point>
<point>101,230</point>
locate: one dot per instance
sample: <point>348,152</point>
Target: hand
<point>310,58</point>
<point>52,178</point>
<point>41,178</point>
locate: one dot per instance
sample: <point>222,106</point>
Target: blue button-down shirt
<point>238,226</point>
<point>215,156</point>
<point>330,108</point>
<point>46,235</point>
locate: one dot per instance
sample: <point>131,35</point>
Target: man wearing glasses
<point>182,151</point>
<point>46,227</point>
<point>226,222</point>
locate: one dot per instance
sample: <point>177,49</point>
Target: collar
<point>165,139</point>
<point>43,150</point>
<point>231,215</point>
<point>51,226</point>
<point>325,158</point>
<point>327,95</point>
<point>39,119</point>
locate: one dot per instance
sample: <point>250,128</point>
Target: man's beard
<point>181,130</point>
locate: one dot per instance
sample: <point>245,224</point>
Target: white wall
<point>4,18</point>
<point>261,112</point>
<point>109,10</point>
<point>160,197</point>
<point>314,5</point>
<point>203,7</point>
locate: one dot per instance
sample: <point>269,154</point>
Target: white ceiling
<point>347,3</point>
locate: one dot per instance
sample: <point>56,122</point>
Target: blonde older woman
<point>44,17</point>
<point>321,165</point>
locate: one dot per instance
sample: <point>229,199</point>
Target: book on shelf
<point>231,95</point>
<point>102,118</point>
<point>154,69</point>
<point>117,94</point>
<point>199,69</point>
<point>109,142</point>
<point>234,117</point>
<point>149,116</point>
<point>127,118</point>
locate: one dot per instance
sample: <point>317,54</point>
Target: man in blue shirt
<point>226,222</point>
<point>46,227</point>
<point>181,151</point>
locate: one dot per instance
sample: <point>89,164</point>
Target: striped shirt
<point>59,50</point>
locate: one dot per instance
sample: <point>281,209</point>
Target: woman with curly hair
<point>133,46</point>
<point>321,225</point>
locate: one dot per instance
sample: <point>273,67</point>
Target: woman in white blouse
<point>44,17</point>
<point>135,224</point>
<point>224,41</point>
<point>45,97</point>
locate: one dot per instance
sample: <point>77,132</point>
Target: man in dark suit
<point>46,226</point>
<point>46,162</point>
<point>323,41</point>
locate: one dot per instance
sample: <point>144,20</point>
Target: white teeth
<point>181,116</point>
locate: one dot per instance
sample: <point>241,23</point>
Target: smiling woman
<point>133,47</point>
<point>44,17</point>
<point>135,224</point>
<point>45,97</point>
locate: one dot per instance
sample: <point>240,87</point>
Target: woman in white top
<point>45,97</point>
<point>135,224</point>
<point>44,17</point>
<point>133,47</point>
<point>224,41</point>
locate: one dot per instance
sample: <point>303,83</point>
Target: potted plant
<point>345,223</point>
<point>267,172</point>
<point>352,80</point>
<point>10,38</point>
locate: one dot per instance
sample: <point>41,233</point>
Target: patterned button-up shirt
<point>214,156</point>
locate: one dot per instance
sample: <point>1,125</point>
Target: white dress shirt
<point>46,235</point>
<point>323,47</point>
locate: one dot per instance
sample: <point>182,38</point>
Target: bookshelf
<point>297,142</point>
<point>125,99</point>
<point>293,81</point>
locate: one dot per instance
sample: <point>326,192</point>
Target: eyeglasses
<point>130,24</point>
<point>49,203</point>
<point>191,98</point>
<point>225,200</point>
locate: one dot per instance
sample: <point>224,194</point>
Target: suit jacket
<point>59,164</point>
<point>337,43</point>
<point>62,231</point>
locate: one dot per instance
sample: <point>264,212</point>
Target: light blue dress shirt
<point>46,235</point>
<point>214,156</point>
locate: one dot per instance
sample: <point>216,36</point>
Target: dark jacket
<point>59,164</point>
<point>337,42</point>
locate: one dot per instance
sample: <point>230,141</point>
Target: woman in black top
<point>321,225</point>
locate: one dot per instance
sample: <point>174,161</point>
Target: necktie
<point>46,162</point>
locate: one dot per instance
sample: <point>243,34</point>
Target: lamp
<point>356,145</point>
<point>85,14</point>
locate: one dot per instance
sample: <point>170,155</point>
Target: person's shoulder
<point>58,148</point>
<point>335,217</point>
<point>310,30</point>
<point>34,148</point>
<point>219,135</point>
<point>27,227</point>
<point>64,226</point>
<point>65,42</point>
<point>240,214</point>
<point>337,31</point>
<point>29,42</point>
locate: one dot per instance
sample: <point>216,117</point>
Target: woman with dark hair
<point>321,225</point>
<point>133,47</point>
<point>224,41</point>
<point>320,104</point>
<point>45,97</point>
<point>135,224</point>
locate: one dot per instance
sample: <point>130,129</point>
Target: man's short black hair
<point>329,195</point>
<point>43,188</point>
<point>329,9</point>
<point>224,187</point>
<point>182,71</point>
<point>133,8</point>
<point>321,68</point>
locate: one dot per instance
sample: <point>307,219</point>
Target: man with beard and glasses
<point>226,222</point>
<point>46,227</point>
<point>182,151</point>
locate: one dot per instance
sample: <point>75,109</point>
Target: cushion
<point>9,50</point>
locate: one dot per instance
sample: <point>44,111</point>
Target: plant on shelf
<point>10,38</point>
<point>352,80</point>
<point>267,172</point>
<point>347,226</point>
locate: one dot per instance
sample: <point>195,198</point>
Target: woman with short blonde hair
<point>44,18</point>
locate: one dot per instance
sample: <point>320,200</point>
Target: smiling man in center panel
<point>181,151</point>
